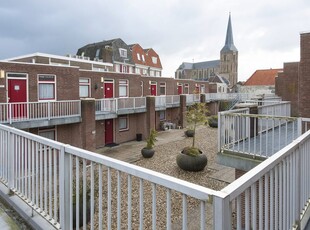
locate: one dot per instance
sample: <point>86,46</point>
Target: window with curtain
<point>123,88</point>
<point>84,84</point>
<point>46,87</point>
<point>123,122</point>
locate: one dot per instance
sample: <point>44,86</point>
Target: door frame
<point>105,133</point>
<point>17,78</point>
<point>108,81</point>
<point>153,83</point>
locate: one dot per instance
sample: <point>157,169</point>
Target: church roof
<point>200,65</point>
<point>229,42</point>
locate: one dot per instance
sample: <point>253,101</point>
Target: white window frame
<point>122,52</point>
<point>88,83</point>
<point>126,127</point>
<point>123,83</point>
<point>143,59</point>
<point>40,82</point>
<point>162,85</point>
<point>138,56</point>
<point>46,130</point>
<point>162,118</point>
<point>186,88</point>
<point>97,53</point>
<point>154,60</point>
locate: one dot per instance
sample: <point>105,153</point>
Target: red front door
<point>153,90</point>
<point>108,90</point>
<point>17,92</point>
<point>180,89</point>
<point>108,131</point>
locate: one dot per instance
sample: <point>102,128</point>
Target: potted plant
<point>148,150</point>
<point>213,121</point>
<point>191,157</point>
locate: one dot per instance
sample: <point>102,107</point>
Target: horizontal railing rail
<point>192,98</point>
<point>281,108</point>
<point>26,111</point>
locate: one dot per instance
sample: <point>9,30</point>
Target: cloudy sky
<point>266,33</point>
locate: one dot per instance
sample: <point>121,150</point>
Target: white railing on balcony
<point>131,103</point>
<point>167,101</point>
<point>172,100</point>
<point>275,194</point>
<point>51,176</point>
<point>275,108</point>
<point>25,111</point>
<point>258,135</point>
<point>228,96</point>
<point>192,98</point>
<point>107,105</point>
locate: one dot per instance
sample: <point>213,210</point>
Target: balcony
<point>273,195</point>
<point>37,114</point>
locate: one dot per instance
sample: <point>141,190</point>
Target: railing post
<point>221,213</point>
<point>299,126</point>
<point>64,189</point>
<point>10,160</point>
<point>219,133</point>
<point>10,113</point>
<point>49,110</point>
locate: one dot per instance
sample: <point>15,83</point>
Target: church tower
<point>229,57</point>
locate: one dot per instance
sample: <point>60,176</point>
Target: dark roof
<point>229,42</point>
<point>219,79</point>
<point>200,65</point>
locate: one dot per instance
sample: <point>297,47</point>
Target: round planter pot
<point>192,163</point>
<point>189,133</point>
<point>213,124</point>
<point>147,153</point>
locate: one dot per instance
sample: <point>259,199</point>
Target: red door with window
<point>17,92</point>
<point>180,89</point>
<point>108,90</point>
<point>153,90</point>
<point>108,131</point>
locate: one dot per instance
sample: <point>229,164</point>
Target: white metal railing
<point>25,111</point>
<point>228,96</point>
<point>259,135</point>
<point>107,105</point>
<point>160,101</point>
<point>192,98</point>
<point>131,103</point>
<point>172,100</point>
<point>275,194</point>
<point>119,195</point>
<point>282,108</point>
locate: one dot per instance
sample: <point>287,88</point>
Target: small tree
<point>196,114</point>
<point>150,141</point>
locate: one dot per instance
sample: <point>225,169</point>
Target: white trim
<point>127,123</point>
<point>7,84</point>
<point>55,88</point>
<point>56,57</point>
<point>85,84</point>
<point>127,87</point>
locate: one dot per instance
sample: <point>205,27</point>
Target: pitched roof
<point>200,65</point>
<point>229,42</point>
<point>263,77</point>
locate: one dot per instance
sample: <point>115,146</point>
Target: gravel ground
<point>164,161</point>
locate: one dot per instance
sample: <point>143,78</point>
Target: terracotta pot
<point>147,153</point>
<point>192,163</point>
<point>189,133</point>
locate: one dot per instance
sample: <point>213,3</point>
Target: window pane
<point>122,123</point>
<point>50,134</point>
<point>84,91</point>
<point>122,91</point>
<point>46,91</point>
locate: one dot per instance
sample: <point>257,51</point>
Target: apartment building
<point>85,103</point>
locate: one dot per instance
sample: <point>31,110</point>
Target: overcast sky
<point>266,33</point>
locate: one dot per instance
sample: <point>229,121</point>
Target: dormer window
<point>154,60</point>
<point>97,53</point>
<point>138,56</point>
<point>123,52</point>
<point>143,58</point>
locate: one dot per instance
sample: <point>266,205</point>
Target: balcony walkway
<point>266,143</point>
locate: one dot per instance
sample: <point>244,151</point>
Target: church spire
<point>229,42</point>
